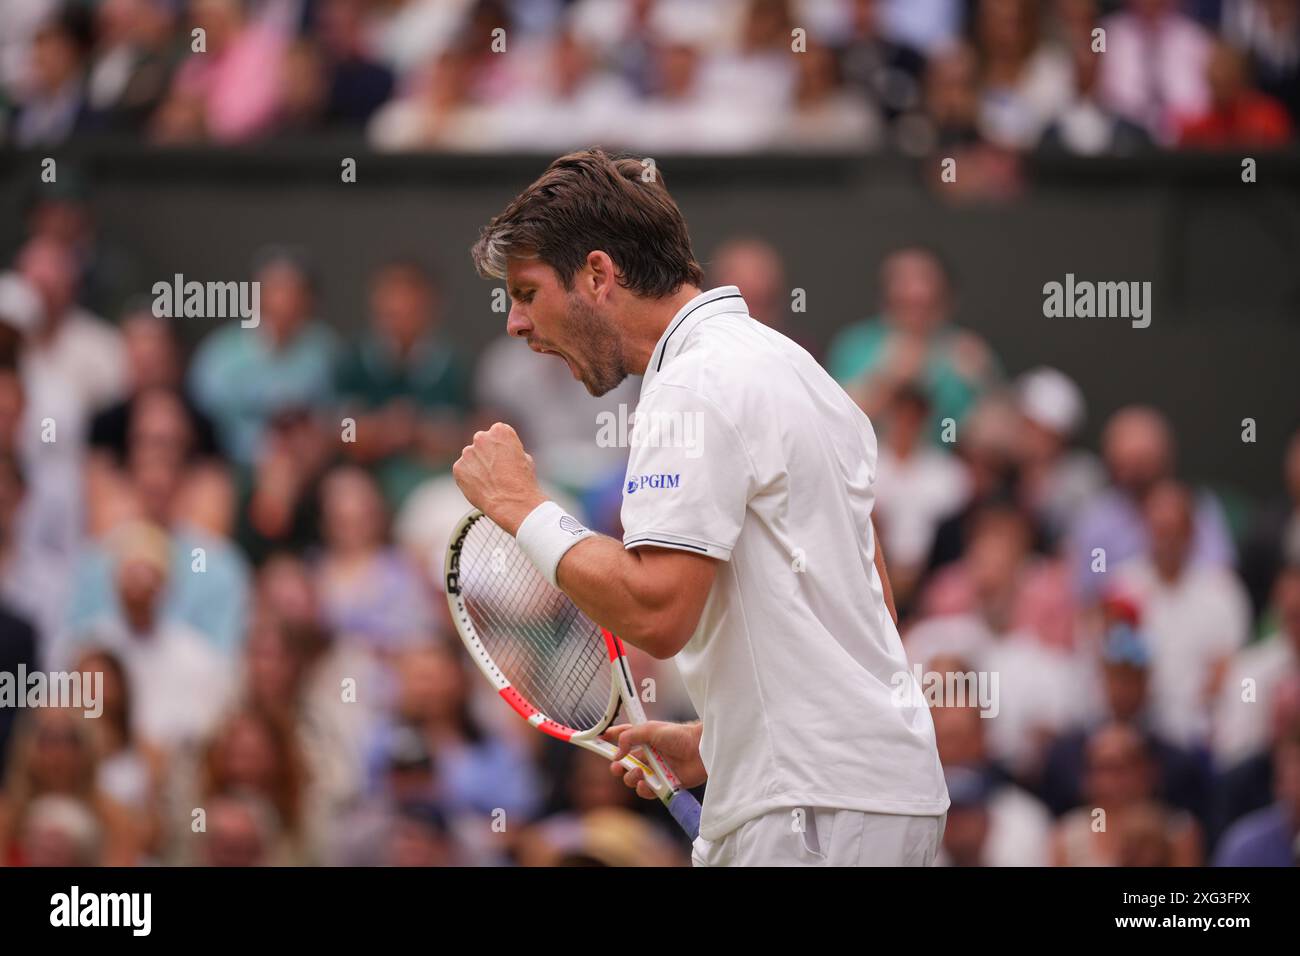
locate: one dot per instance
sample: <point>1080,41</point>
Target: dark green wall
<point>1223,256</point>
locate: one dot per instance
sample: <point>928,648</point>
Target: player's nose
<point>517,323</point>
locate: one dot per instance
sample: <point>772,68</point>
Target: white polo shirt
<point>746,450</point>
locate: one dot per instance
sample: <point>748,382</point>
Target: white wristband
<point>547,534</point>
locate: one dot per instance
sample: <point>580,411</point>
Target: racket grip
<point>686,811</point>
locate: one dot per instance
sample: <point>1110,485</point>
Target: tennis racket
<point>559,670</point>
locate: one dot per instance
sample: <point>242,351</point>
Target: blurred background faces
<point>891,184</point>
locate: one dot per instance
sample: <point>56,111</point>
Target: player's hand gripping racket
<point>562,672</point>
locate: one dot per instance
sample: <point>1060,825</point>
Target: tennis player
<point>748,552</point>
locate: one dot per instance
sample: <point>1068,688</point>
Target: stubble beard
<point>602,367</point>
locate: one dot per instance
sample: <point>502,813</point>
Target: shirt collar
<point>723,299</point>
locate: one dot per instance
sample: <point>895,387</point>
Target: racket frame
<point>622,689</point>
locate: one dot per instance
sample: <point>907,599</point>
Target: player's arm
<point>650,597</point>
<point>884,575</point>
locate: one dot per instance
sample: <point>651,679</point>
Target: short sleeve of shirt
<point>689,476</point>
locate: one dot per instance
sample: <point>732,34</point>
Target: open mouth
<point>545,351</point>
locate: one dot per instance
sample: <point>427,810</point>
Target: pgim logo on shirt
<point>636,482</point>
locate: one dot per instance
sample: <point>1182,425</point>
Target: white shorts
<point>823,836</point>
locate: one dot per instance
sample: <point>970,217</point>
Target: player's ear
<point>602,274</point>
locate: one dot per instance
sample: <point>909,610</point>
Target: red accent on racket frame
<point>526,710</point>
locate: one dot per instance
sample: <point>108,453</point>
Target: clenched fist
<point>497,477</point>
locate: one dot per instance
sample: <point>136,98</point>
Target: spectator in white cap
<point>1056,478</point>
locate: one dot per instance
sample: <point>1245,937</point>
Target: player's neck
<point>646,320</point>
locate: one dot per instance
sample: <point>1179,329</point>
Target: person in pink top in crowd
<point>233,86</point>
<point>1154,67</point>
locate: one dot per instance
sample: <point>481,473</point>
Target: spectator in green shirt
<point>913,343</point>
<point>243,378</point>
<point>406,388</point>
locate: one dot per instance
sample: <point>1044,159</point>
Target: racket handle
<point>686,811</point>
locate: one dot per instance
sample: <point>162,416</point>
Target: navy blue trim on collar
<point>663,347</point>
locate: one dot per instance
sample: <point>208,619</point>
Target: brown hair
<point>285,790</point>
<point>24,786</point>
<point>586,201</point>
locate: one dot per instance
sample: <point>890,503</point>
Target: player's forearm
<point>617,590</point>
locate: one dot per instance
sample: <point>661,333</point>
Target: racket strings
<point>551,652</point>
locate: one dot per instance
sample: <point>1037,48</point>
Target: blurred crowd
<point>245,538</point>
<point>984,79</point>
<point>1144,631</point>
